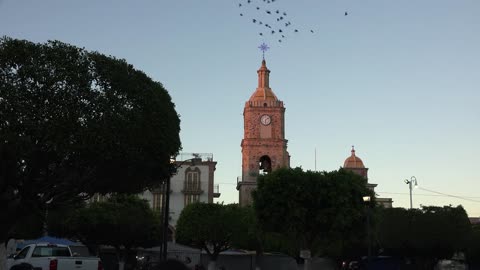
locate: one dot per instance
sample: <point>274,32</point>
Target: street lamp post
<point>45,222</point>
<point>166,211</point>
<point>412,180</point>
<point>367,201</point>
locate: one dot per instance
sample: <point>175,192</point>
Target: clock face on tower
<point>265,120</point>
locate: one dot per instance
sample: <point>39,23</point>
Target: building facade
<point>193,182</point>
<point>264,147</point>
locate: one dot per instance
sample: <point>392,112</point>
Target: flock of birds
<point>270,21</point>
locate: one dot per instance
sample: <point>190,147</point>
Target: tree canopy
<point>121,220</point>
<point>74,123</point>
<point>314,208</point>
<point>210,226</point>
<point>431,232</point>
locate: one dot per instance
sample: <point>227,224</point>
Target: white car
<point>51,257</point>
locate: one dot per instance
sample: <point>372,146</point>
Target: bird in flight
<point>278,26</point>
<point>346,13</point>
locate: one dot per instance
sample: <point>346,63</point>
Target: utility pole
<point>413,179</point>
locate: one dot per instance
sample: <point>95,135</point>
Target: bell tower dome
<point>264,147</point>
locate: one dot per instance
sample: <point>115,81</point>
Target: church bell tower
<point>264,147</point>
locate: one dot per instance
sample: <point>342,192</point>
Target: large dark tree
<point>74,123</point>
<point>320,210</point>
<point>429,233</point>
<point>211,227</point>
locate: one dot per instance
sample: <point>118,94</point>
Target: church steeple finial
<point>263,47</point>
<point>353,150</point>
<point>263,72</point>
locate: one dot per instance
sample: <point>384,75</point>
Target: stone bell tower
<point>264,147</point>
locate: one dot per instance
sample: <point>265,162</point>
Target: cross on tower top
<point>263,47</point>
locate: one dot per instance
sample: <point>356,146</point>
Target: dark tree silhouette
<point>74,123</point>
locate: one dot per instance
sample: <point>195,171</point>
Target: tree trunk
<point>212,265</point>
<point>120,260</point>
<point>126,258</point>
<point>307,263</point>
<point>3,256</point>
<point>258,259</point>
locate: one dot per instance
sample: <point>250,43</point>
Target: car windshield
<point>46,251</point>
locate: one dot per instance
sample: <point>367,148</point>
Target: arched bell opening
<point>265,165</point>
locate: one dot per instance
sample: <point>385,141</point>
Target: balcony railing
<point>216,191</point>
<point>192,188</point>
<point>199,156</point>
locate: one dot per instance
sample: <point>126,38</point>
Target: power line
<point>421,194</point>
<point>449,195</point>
<point>438,194</point>
<point>405,193</point>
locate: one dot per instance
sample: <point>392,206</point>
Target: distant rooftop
<point>202,156</point>
<point>474,220</point>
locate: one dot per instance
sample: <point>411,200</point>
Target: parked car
<point>51,257</point>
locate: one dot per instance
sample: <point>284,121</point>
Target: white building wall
<point>177,184</point>
<point>177,197</point>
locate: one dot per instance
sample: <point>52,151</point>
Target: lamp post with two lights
<point>368,201</point>
<point>413,180</point>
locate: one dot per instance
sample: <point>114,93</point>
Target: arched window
<point>192,187</point>
<point>192,179</point>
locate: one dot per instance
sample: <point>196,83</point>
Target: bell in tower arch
<point>266,164</point>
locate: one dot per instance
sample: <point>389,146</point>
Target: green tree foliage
<point>74,123</point>
<point>474,246</point>
<point>430,232</point>
<point>248,238</point>
<point>121,221</point>
<point>59,219</point>
<point>253,238</point>
<point>319,211</point>
<point>210,226</point>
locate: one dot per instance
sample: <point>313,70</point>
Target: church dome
<point>353,161</point>
<point>262,94</point>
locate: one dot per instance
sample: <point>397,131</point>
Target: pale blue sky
<point>398,79</point>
